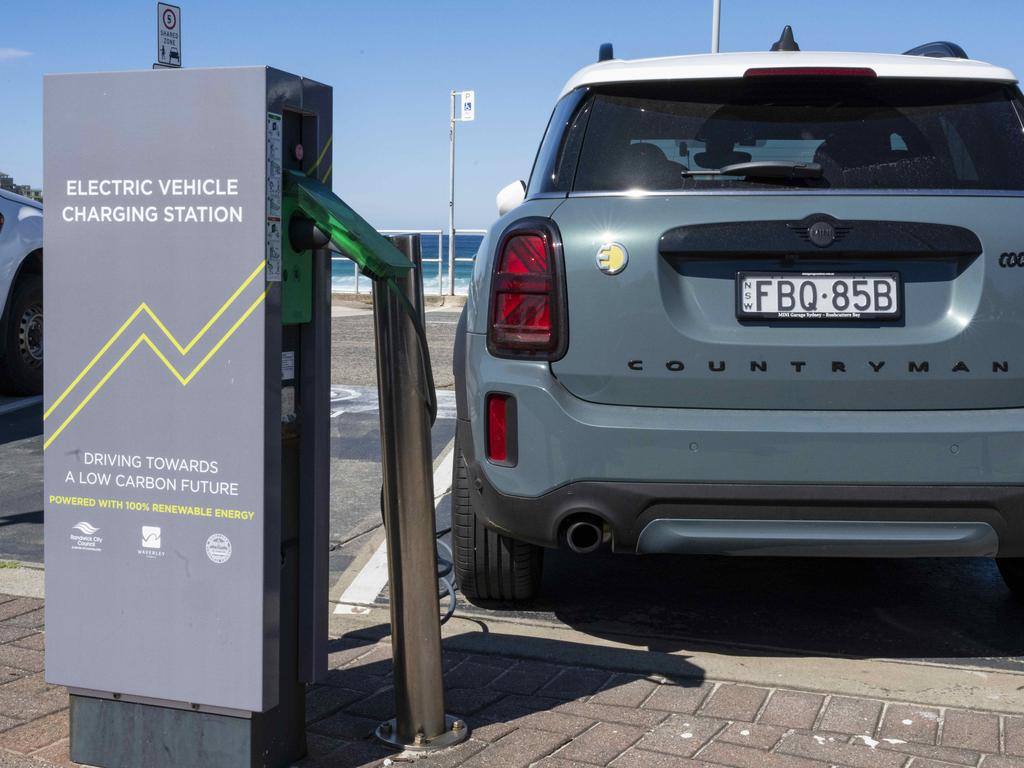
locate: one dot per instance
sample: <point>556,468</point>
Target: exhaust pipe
<point>584,536</point>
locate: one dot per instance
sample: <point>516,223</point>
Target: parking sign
<point>168,35</point>
<point>467,111</point>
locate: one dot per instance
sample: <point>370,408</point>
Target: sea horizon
<point>343,270</point>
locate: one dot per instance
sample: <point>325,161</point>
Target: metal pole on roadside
<point>440,262</point>
<point>451,197</point>
<point>716,25</point>
<point>408,499</point>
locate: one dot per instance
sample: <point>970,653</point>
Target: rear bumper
<point>824,520</point>
<point>631,466</point>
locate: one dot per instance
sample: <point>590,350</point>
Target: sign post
<point>716,24</point>
<point>168,35</point>
<point>465,113</point>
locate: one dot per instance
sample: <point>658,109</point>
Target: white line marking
<point>352,399</point>
<point>362,593</point>
<point>443,476</point>
<point>18,405</point>
<point>367,585</point>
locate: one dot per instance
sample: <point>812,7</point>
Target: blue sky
<point>393,62</point>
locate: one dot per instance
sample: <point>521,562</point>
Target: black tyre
<point>488,565</point>
<point>21,366</point>
<point>1012,570</point>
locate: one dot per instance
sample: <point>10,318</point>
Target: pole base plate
<point>456,731</point>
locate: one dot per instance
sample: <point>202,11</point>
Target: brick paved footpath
<point>526,713</point>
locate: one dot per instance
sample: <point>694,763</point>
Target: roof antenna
<point>605,52</point>
<point>787,42</point>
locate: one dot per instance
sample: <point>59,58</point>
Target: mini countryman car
<point>21,294</point>
<point>752,304</point>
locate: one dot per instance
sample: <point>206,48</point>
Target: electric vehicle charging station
<point>186,462</point>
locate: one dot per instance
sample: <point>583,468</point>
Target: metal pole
<point>716,25</point>
<point>440,264</point>
<point>408,497</point>
<point>451,198</point>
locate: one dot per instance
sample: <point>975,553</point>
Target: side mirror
<point>511,196</point>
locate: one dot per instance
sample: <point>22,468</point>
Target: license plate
<point>817,296</point>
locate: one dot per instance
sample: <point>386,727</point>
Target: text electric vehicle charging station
<point>187,420</point>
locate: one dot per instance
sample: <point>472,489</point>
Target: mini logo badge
<point>150,537</point>
<point>85,538</point>
<point>218,548</point>
<point>612,258</point>
<point>822,234</point>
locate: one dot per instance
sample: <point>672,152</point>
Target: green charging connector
<point>336,226</point>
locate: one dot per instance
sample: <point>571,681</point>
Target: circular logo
<point>218,548</point>
<point>822,234</point>
<point>170,19</point>
<point>612,258</point>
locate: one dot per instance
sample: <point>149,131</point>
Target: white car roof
<point>725,65</point>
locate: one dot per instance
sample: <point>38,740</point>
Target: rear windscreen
<point>863,133</point>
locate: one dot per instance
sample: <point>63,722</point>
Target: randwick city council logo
<point>84,538</point>
<point>151,544</point>
<point>612,258</point>
<point>218,548</point>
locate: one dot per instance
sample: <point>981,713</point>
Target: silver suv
<point>21,295</point>
<point>752,304</point>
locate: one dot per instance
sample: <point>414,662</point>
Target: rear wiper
<point>764,169</point>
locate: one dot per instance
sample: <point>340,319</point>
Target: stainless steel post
<point>408,497</point>
<point>451,200</point>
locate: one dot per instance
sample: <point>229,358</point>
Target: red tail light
<point>497,428</point>
<point>527,314</point>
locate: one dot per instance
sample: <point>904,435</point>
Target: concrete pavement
<point>529,712</point>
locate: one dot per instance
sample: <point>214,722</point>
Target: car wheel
<point>21,367</point>
<point>488,565</point>
<point>1012,570</point>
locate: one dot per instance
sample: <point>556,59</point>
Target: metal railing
<point>440,260</point>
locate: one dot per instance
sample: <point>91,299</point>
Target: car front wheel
<point>21,367</point>
<point>488,565</point>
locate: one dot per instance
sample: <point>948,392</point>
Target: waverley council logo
<point>152,546</point>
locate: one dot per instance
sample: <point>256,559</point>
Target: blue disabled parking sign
<point>468,111</point>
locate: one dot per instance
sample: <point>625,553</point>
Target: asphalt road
<point>948,611</point>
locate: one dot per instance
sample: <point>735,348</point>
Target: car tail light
<point>501,429</point>
<point>527,309</point>
<point>810,72</point>
<point>497,427</point>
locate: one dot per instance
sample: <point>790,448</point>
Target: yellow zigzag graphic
<point>144,339</point>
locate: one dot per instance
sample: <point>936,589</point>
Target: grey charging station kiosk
<point>187,414</point>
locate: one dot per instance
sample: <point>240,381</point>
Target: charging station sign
<point>155,427</point>
<point>168,35</point>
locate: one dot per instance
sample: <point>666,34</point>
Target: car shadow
<point>20,418</point>
<point>956,611</point>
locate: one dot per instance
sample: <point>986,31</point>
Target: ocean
<point>343,271</point>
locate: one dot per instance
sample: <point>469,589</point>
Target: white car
<point>21,294</point>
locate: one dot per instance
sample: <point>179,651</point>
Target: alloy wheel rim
<point>30,335</point>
